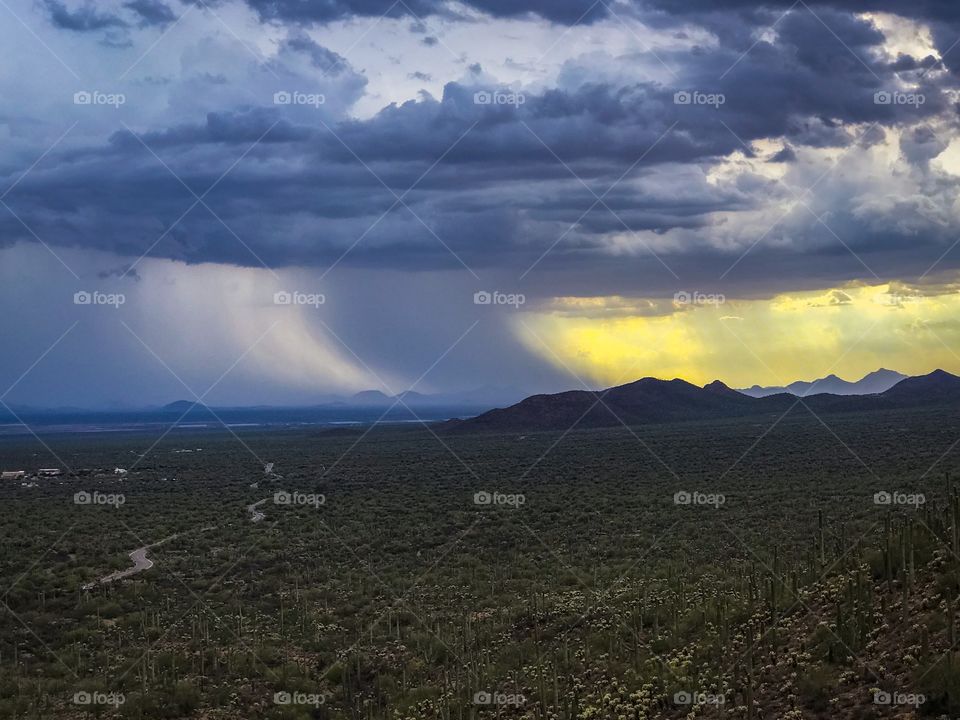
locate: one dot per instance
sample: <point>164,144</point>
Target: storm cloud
<point>491,176</point>
<point>741,147</point>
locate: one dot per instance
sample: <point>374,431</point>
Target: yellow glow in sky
<point>848,331</point>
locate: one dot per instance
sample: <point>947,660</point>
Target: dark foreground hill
<point>651,400</point>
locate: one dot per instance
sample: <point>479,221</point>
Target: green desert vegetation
<point>721,569</point>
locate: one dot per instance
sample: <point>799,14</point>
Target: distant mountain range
<point>481,398</point>
<point>658,401</point>
<point>645,401</point>
<point>361,409</point>
<point>876,382</point>
<point>182,406</point>
<point>484,397</point>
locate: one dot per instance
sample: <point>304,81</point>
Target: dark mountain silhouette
<point>645,401</point>
<point>718,388</point>
<point>487,397</point>
<point>371,397</point>
<point>182,406</point>
<point>879,381</point>
<point>876,382</point>
<point>657,401</point>
<point>937,387</point>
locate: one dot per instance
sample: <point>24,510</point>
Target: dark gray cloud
<point>85,18</point>
<point>498,182</point>
<point>569,12</point>
<point>89,18</point>
<point>784,155</point>
<point>816,162</point>
<point>320,57</point>
<point>735,19</point>
<point>151,12</point>
<point>925,9</point>
<point>738,21</point>
<point>560,11</point>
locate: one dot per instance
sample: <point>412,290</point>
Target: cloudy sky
<point>266,201</point>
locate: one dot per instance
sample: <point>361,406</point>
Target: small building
<point>13,475</point>
<point>49,472</point>
<point>119,471</point>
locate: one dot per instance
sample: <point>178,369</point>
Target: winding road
<point>140,562</point>
<point>256,515</point>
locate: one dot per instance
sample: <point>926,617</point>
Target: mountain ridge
<point>651,401</point>
<point>878,381</point>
